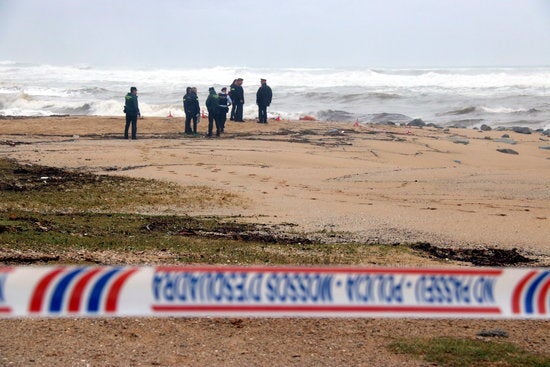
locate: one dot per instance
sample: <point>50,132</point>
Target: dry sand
<point>379,184</point>
<point>383,184</point>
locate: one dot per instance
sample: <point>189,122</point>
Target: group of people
<point>217,105</point>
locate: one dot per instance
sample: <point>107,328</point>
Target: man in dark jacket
<point>230,94</point>
<point>192,110</point>
<point>263,100</point>
<point>212,103</point>
<point>131,108</point>
<point>237,96</point>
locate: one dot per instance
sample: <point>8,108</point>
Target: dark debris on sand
<point>478,257</point>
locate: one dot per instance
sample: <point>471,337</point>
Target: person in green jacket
<point>212,103</point>
<point>131,109</point>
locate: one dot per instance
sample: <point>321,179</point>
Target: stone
<point>457,140</point>
<point>431,124</point>
<point>506,141</point>
<point>494,333</point>
<point>485,128</point>
<point>507,151</point>
<point>416,122</point>
<point>521,130</point>
<point>386,118</point>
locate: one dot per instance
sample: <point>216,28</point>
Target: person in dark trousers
<point>231,88</point>
<point>197,109</point>
<point>131,109</point>
<point>223,107</point>
<point>192,110</point>
<point>237,96</point>
<point>263,100</point>
<point>212,106</point>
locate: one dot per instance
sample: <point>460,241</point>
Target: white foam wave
<point>82,89</point>
<point>289,77</point>
<point>503,109</point>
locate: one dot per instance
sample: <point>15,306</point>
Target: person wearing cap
<point>212,107</point>
<point>237,96</point>
<point>263,100</point>
<point>131,109</point>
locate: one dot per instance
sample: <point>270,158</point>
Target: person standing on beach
<point>231,89</point>
<point>192,110</point>
<point>263,100</point>
<point>224,102</point>
<point>212,107</point>
<point>131,109</point>
<point>237,96</point>
<point>197,110</point>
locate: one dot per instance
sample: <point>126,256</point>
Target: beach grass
<point>460,352</point>
<point>180,239</point>
<point>42,188</point>
<point>47,214</point>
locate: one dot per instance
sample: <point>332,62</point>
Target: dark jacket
<point>231,90</point>
<point>212,102</point>
<point>264,95</point>
<point>131,104</point>
<point>236,93</point>
<point>223,103</point>
<point>191,104</point>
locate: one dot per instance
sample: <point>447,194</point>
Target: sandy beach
<point>368,183</point>
<point>379,184</point>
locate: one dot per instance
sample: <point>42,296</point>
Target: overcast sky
<point>277,33</point>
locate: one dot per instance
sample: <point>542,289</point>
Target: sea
<point>465,97</point>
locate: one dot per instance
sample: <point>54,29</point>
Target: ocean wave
<point>452,79</point>
<point>461,111</point>
<point>79,110</point>
<point>381,95</point>
<point>341,97</point>
<point>499,95</point>
<point>508,110</point>
<point>89,91</point>
<point>388,118</point>
<point>335,115</point>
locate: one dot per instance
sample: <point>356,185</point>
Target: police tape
<point>197,291</point>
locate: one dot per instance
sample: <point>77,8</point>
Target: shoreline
<point>378,183</point>
<point>414,122</point>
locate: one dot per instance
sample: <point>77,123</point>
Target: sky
<point>277,33</point>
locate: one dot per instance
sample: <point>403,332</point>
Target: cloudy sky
<point>277,33</point>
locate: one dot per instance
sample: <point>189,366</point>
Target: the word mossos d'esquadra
<point>274,291</point>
